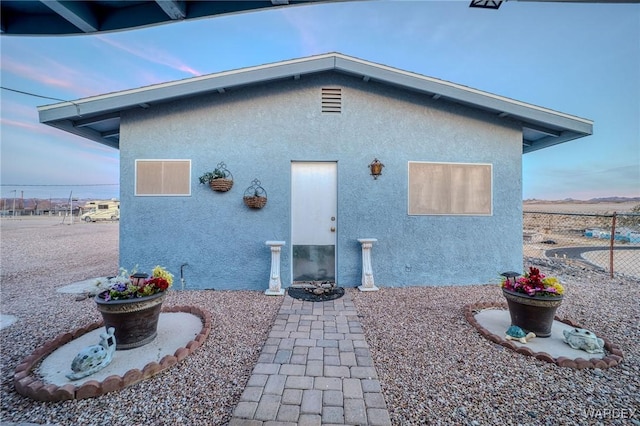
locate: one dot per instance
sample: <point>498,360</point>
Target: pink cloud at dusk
<point>561,68</point>
<point>75,82</point>
<point>34,73</point>
<point>85,81</point>
<point>34,127</point>
<point>99,157</point>
<point>21,111</point>
<point>55,136</point>
<point>151,54</point>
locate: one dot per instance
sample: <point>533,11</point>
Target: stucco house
<point>447,208</point>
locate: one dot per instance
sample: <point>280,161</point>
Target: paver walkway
<point>315,368</point>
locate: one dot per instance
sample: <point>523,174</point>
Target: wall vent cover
<point>331,100</point>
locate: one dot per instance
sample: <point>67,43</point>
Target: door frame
<point>334,163</point>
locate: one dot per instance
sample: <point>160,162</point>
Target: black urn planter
<point>135,320</point>
<point>532,313</point>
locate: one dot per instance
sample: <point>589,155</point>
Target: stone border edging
<point>614,358</point>
<point>28,385</point>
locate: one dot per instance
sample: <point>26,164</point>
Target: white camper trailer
<point>101,210</point>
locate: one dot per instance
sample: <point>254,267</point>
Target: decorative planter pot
<point>376,168</point>
<point>255,197</point>
<point>255,202</point>
<point>135,320</point>
<point>221,185</point>
<point>532,313</point>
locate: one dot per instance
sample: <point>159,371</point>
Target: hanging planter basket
<point>221,184</point>
<point>220,180</point>
<point>255,197</point>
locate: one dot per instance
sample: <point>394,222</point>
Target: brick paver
<point>315,368</point>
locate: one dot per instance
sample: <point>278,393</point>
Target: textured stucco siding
<point>258,131</point>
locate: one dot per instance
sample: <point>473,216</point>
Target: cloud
<point>79,77</point>
<point>75,81</point>
<point>35,73</point>
<point>19,123</point>
<point>150,53</point>
<point>146,77</point>
<point>21,132</point>
<point>32,127</point>
<point>12,108</point>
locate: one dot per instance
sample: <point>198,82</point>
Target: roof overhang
<point>69,17</point>
<point>58,17</point>
<point>98,117</point>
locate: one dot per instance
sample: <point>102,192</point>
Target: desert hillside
<point>601,205</point>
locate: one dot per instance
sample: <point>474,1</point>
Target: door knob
<point>333,229</point>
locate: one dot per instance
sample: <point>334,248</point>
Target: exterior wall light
<point>376,168</point>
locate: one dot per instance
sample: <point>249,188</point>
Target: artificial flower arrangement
<point>125,287</point>
<point>533,283</point>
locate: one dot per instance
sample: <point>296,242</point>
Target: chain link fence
<point>605,242</point>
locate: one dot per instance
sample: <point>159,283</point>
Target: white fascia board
<point>183,88</point>
<point>163,92</point>
<point>463,94</point>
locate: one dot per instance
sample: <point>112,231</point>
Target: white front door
<point>314,220</point>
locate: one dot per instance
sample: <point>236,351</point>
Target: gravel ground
<point>434,367</point>
<point>40,255</point>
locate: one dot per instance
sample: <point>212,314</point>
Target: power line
<point>43,97</point>
<point>32,94</point>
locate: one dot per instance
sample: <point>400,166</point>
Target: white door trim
<point>314,222</point>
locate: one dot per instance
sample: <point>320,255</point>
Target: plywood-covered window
<point>450,189</point>
<point>163,177</point>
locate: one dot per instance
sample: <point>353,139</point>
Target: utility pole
<point>15,192</point>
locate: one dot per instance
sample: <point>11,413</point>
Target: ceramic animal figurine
<point>516,333</point>
<point>94,358</point>
<point>579,338</point>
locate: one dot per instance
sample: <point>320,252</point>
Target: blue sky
<point>581,59</point>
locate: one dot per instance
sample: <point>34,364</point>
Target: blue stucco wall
<point>258,131</point>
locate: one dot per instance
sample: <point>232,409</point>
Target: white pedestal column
<point>367,269</point>
<point>275,285</point>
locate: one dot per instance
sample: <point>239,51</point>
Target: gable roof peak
<point>542,127</point>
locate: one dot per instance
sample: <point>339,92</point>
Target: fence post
<point>613,236</point>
